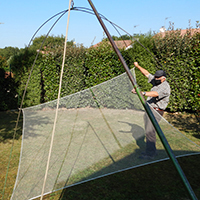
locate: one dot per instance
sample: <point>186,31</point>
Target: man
<point>158,98</point>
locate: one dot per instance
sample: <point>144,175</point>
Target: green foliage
<point>3,64</point>
<point>101,64</point>
<point>180,58</point>
<point>140,55</point>
<point>8,51</point>
<point>49,75</point>
<point>37,42</point>
<point>50,41</point>
<point>21,66</point>
<point>8,88</point>
<point>33,92</point>
<point>85,68</point>
<point>7,92</point>
<point>73,72</point>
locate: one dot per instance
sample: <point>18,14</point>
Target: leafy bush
<point>139,54</point>
<point>101,64</point>
<point>21,66</point>
<point>73,74</point>
<point>7,92</point>
<point>84,68</point>
<point>3,63</point>
<point>179,55</point>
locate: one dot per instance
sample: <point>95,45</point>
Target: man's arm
<point>151,94</point>
<point>144,71</point>
<point>147,94</point>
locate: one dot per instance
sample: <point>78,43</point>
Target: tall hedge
<point>21,67</point>
<point>180,56</point>
<point>73,75</point>
<point>141,55</point>
<point>101,64</point>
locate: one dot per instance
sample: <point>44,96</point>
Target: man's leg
<point>151,133</point>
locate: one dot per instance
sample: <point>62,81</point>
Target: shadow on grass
<point>7,125</point>
<point>8,121</point>
<point>196,135</point>
<point>155,181</point>
<point>185,122</point>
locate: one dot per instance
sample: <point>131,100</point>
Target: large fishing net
<point>99,131</point>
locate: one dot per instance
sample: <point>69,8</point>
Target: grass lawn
<point>7,126</point>
<point>155,181</point>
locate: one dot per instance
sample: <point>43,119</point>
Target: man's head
<point>160,77</point>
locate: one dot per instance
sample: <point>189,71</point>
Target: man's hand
<point>136,64</point>
<point>133,91</point>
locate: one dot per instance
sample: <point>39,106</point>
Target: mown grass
<point>9,151</point>
<point>156,181</point>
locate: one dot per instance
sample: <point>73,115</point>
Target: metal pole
<point>147,108</point>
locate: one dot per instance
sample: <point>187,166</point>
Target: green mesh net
<point>99,131</point>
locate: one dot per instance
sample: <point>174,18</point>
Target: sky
<point>20,19</point>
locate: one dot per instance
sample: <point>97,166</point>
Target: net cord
<point>56,114</point>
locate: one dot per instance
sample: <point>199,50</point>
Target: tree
<point>51,41</point>
<point>7,92</point>
<point>3,64</point>
<point>8,51</point>
<point>21,66</point>
<point>122,37</point>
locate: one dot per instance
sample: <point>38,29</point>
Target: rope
<point>55,120</point>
